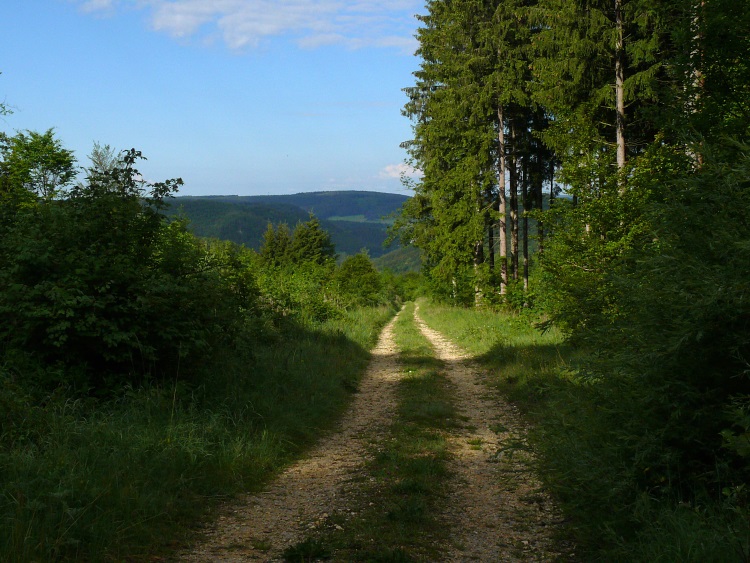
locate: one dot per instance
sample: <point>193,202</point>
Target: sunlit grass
<point>581,458</point>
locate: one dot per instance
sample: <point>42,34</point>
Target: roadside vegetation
<point>632,118</point>
<point>595,447</point>
<point>145,374</point>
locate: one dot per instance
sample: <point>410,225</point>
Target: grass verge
<point>582,457</point>
<point>396,517</point>
<point>126,479</point>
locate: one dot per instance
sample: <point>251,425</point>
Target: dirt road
<point>495,510</point>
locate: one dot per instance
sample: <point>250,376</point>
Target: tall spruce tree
<point>453,140</point>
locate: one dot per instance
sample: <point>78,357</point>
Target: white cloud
<point>89,6</point>
<point>311,23</point>
<point>397,171</point>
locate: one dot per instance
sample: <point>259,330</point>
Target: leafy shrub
<point>101,284</point>
<point>358,281</point>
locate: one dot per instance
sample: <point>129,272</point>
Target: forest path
<point>495,509</point>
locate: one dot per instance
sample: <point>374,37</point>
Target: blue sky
<point>235,96</point>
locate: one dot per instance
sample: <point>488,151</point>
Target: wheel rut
<point>260,527</point>
<point>498,510</point>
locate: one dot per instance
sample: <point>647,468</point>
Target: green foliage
<point>685,329</point>
<point>146,372</point>
<point>400,261</point>
<point>100,285</point>
<point>310,243</point>
<point>277,243</point>
<point>597,441</point>
<point>373,206</point>
<point>243,219</point>
<point>359,283</point>
<point>303,292</point>
<point>307,244</point>
<point>36,163</point>
<point>92,480</point>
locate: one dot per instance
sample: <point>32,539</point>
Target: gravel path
<point>496,510</point>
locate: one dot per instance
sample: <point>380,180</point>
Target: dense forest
<point>637,112</point>
<point>355,220</point>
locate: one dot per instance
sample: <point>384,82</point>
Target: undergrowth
<point>127,478</point>
<point>580,429</point>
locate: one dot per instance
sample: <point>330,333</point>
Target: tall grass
<point>584,458</point>
<point>128,478</point>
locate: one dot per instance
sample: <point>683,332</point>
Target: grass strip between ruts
<point>394,517</point>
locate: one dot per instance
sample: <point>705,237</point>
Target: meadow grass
<point>408,475</point>
<point>129,478</point>
<point>582,458</point>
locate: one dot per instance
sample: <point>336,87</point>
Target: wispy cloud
<point>98,6</point>
<point>398,171</point>
<point>245,24</point>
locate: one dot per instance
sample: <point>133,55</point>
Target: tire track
<point>259,527</point>
<point>497,510</point>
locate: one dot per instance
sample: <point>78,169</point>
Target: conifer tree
<point>453,137</point>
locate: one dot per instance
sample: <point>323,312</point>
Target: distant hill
<point>354,219</point>
<point>343,205</point>
<point>400,261</point>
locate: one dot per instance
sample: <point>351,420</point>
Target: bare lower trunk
<point>491,247</point>
<point>502,206</point>
<point>620,86</point>
<point>513,167</point>
<point>478,261</point>
<point>551,182</point>
<point>489,228</point>
<point>478,251</point>
<point>539,171</point>
<point>525,224</point>
<point>698,82</point>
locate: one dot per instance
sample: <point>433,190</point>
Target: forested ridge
<point>355,220</point>
<point>639,111</point>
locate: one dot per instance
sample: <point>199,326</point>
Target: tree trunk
<point>478,261</point>
<point>490,227</point>
<point>478,248</point>
<point>525,199</point>
<point>620,85</point>
<point>539,185</point>
<point>491,246</point>
<point>502,203</point>
<point>698,80</point>
<point>551,181</point>
<point>513,167</point>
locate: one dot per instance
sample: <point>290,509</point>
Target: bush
<point>100,284</point>
<point>358,281</point>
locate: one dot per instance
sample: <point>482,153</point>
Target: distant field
<point>360,219</point>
